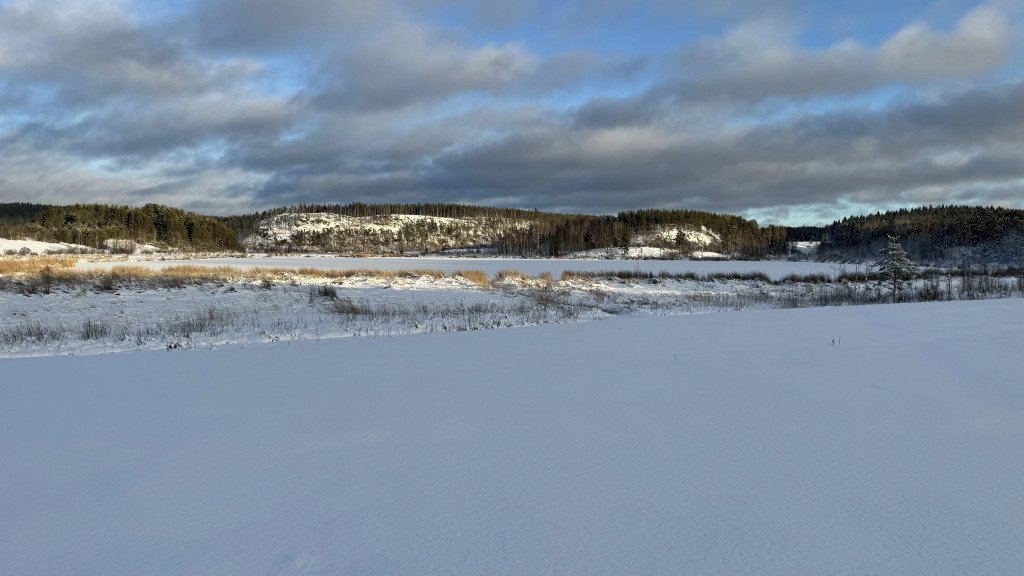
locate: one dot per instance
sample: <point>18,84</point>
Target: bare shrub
<point>512,275</point>
<point>867,276</point>
<point>807,278</point>
<point>106,283</point>
<point>30,332</point>
<point>347,307</point>
<point>94,330</point>
<point>755,275</point>
<point>322,292</point>
<point>930,292</point>
<point>46,279</point>
<point>208,320</point>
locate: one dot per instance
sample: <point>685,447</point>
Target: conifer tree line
<point>92,224</point>
<point>950,234</point>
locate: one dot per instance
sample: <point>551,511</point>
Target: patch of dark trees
<point>973,236</point>
<point>92,224</point>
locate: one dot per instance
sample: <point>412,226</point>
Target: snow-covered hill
<point>405,233</point>
<point>391,234</point>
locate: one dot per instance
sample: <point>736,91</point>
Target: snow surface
<point>702,237</point>
<point>732,443</point>
<point>39,247</point>
<point>633,252</point>
<point>773,268</point>
<point>805,247</point>
<point>643,252</point>
<point>131,246</point>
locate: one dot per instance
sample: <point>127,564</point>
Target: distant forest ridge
<point>954,234</point>
<point>92,224</point>
<point>930,234</point>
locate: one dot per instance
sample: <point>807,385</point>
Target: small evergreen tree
<point>896,266</point>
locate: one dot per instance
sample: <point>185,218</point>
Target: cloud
<point>411,64</point>
<point>762,59</point>
<point>231,105</point>
<point>97,50</point>
<point>271,26</point>
<point>980,41</point>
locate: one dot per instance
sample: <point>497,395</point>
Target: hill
<point>403,228</point>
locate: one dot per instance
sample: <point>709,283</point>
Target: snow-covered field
<point>133,309</point>
<point>491,266</point>
<point>730,443</point>
<point>89,321</point>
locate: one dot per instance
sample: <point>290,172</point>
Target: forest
<point>91,224</point>
<point>933,234</point>
<point>972,235</point>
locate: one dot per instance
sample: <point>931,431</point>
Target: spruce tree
<point>896,266</point>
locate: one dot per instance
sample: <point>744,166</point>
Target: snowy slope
<point>38,247</point>
<point>700,238</point>
<point>804,247</point>
<point>738,443</point>
<point>374,234</point>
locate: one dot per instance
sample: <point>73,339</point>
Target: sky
<point>785,111</point>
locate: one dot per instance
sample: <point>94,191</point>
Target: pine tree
<point>896,266</point>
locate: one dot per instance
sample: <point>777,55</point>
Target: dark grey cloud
<point>913,153</point>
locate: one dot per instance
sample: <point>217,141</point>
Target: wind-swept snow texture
<point>732,443</point>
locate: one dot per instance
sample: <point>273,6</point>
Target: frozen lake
<point>773,268</point>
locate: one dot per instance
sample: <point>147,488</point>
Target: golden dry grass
<point>35,264</point>
<point>61,270</point>
<point>475,276</point>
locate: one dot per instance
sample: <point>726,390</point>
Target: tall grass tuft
<point>475,276</point>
